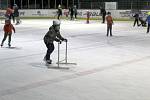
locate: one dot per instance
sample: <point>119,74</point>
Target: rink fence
<point>94,14</point>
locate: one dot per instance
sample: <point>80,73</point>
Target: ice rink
<point>108,68</point>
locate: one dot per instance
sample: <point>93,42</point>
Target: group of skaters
<point>13,13</point>
<point>144,23</point>
<point>8,27</point>
<point>107,16</point>
<point>72,11</point>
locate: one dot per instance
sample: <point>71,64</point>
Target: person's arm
<point>4,28</point>
<point>13,28</point>
<point>112,20</point>
<point>60,37</point>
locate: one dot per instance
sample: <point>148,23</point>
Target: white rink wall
<point>118,14</point>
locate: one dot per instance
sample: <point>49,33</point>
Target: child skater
<point>8,27</point>
<point>109,23</point>
<point>52,35</point>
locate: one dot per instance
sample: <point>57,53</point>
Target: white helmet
<point>56,22</point>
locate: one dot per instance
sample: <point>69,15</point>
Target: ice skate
<point>9,45</point>
<point>1,45</point>
<point>48,61</point>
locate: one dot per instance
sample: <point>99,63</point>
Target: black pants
<point>136,21</point>
<point>75,15</point>
<point>103,16</point>
<point>109,29</point>
<point>71,15</point>
<point>148,28</point>
<point>59,16</point>
<point>5,36</point>
<point>50,49</point>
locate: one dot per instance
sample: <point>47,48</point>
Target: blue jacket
<point>148,19</point>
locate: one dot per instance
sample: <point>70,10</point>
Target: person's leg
<point>58,16</point>
<point>5,36</point>
<point>13,17</point>
<point>50,49</point>
<point>148,28</point>
<point>103,19</point>
<point>134,22</point>
<point>9,40</point>
<point>110,30</point>
<point>17,20</point>
<point>137,22</point>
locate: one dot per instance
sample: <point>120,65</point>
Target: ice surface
<point>108,68</point>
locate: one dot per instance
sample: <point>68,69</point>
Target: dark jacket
<point>52,36</point>
<point>136,16</point>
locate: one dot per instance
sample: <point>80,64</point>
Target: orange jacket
<point>109,20</point>
<point>9,11</point>
<point>8,28</point>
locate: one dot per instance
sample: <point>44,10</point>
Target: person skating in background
<point>88,17</point>
<point>71,10</point>
<point>148,20</point>
<point>75,11</point>
<point>109,20</point>
<point>143,22</point>
<point>136,19</point>
<point>103,14</point>
<point>8,27</point>
<point>66,13</point>
<point>59,12</point>
<point>52,35</point>
<point>16,14</point>
<point>9,13</point>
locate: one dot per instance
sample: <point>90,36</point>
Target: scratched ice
<point>108,68</point>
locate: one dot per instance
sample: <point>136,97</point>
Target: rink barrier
<point>82,14</point>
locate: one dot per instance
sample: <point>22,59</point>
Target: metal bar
<point>7,3</point>
<point>35,4</point>
<point>55,4</point>
<point>42,4</point>
<point>21,4</point>
<point>0,4</point>
<point>28,3</point>
<point>48,3</point>
<point>58,54</point>
<point>61,2</point>
<point>66,52</point>
<point>67,4</point>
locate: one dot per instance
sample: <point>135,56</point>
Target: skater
<point>71,10</point>
<point>103,13</point>
<point>9,13</point>
<point>88,17</point>
<point>143,22</point>
<point>136,16</point>
<point>109,23</point>
<point>52,35</point>
<point>148,20</point>
<point>75,11</point>
<point>59,12</point>
<point>8,27</point>
<point>66,13</point>
<point>16,14</point>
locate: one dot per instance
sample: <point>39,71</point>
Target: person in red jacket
<point>8,27</point>
<point>9,13</point>
<point>109,24</point>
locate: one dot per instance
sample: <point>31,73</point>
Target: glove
<point>65,40</point>
<point>57,40</point>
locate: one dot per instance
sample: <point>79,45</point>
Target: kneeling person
<point>52,35</point>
